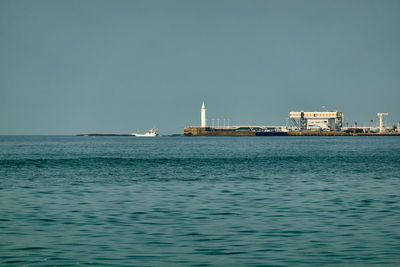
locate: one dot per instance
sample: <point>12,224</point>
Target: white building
<point>203,115</point>
<point>331,120</point>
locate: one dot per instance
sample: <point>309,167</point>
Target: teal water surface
<point>199,201</point>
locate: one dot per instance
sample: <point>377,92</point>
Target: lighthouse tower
<point>203,115</point>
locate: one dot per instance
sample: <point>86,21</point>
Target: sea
<point>199,201</point>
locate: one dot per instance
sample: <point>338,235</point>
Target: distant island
<point>96,134</point>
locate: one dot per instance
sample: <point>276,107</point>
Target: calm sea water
<point>168,201</point>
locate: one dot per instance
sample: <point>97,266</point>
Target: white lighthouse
<point>203,115</point>
<point>380,115</point>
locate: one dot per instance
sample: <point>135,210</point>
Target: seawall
<point>208,131</point>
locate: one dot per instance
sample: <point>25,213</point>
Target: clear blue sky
<point>80,66</point>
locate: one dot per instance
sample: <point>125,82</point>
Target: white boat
<point>150,133</point>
